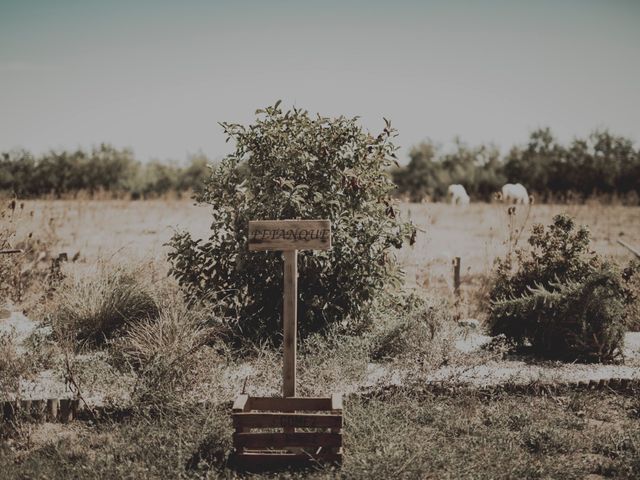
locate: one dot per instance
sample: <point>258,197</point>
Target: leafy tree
<point>286,165</point>
<point>430,172</point>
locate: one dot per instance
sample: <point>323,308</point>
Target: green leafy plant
<point>291,165</point>
<point>562,298</point>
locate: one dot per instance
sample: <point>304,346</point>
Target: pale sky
<point>157,76</point>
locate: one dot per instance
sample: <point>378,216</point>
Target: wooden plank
<point>25,407</point>
<point>53,404</point>
<point>38,408</point>
<point>289,235</point>
<point>263,440</point>
<point>336,407</point>
<point>8,410</point>
<point>240,403</point>
<point>290,404</point>
<point>261,461</point>
<point>336,402</point>
<point>66,411</point>
<point>280,420</point>
<point>290,315</point>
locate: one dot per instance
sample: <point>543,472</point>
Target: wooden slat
<point>8,410</point>
<point>53,405</point>
<point>286,235</point>
<point>240,404</point>
<point>336,402</point>
<point>66,410</point>
<point>259,461</point>
<point>290,404</point>
<point>278,420</point>
<point>263,440</point>
<point>25,407</point>
<point>38,408</point>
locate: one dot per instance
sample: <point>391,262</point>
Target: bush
<point>562,298</point>
<point>95,309</point>
<point>290,165</point>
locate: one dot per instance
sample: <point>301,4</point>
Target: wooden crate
<point>273,433</point>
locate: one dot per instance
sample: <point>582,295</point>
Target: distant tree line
<point>103,169</point>
<point>603,165</point>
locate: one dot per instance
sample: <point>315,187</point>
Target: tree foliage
<point>430,171</point>
<point>102,169</point>
<point>287,165</point>
<point>601,164</point>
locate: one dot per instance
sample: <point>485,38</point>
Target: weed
<point>95,309</point>
<point>165,353</point>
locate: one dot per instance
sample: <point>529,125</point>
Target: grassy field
<point>164,431</point>
<point>125,231</point>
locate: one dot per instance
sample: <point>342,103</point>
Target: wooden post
<point>290,315</point>
<point>456,276</point>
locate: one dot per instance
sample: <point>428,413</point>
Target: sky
<point>158,76</point>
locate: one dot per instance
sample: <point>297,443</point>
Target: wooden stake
<point>456,276</point>
<point>290,314</point>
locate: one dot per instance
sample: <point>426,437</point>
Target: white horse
<point>514,193</point>
<point>458,195</point>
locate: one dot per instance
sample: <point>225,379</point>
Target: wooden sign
<point>289,236</point>
<point>286,235</point>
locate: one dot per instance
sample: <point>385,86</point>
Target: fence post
<point>456,276</point>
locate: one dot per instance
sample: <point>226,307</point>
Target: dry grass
<point>120,231</point>
<point>94,309</point>
<point>172,358</point>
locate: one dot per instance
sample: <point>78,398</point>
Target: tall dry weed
<point>166,353</point>
<point>95,309</point>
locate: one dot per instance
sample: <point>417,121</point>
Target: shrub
<point>562,298</point>
<point>95,309</point>
<point>290,165</point>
